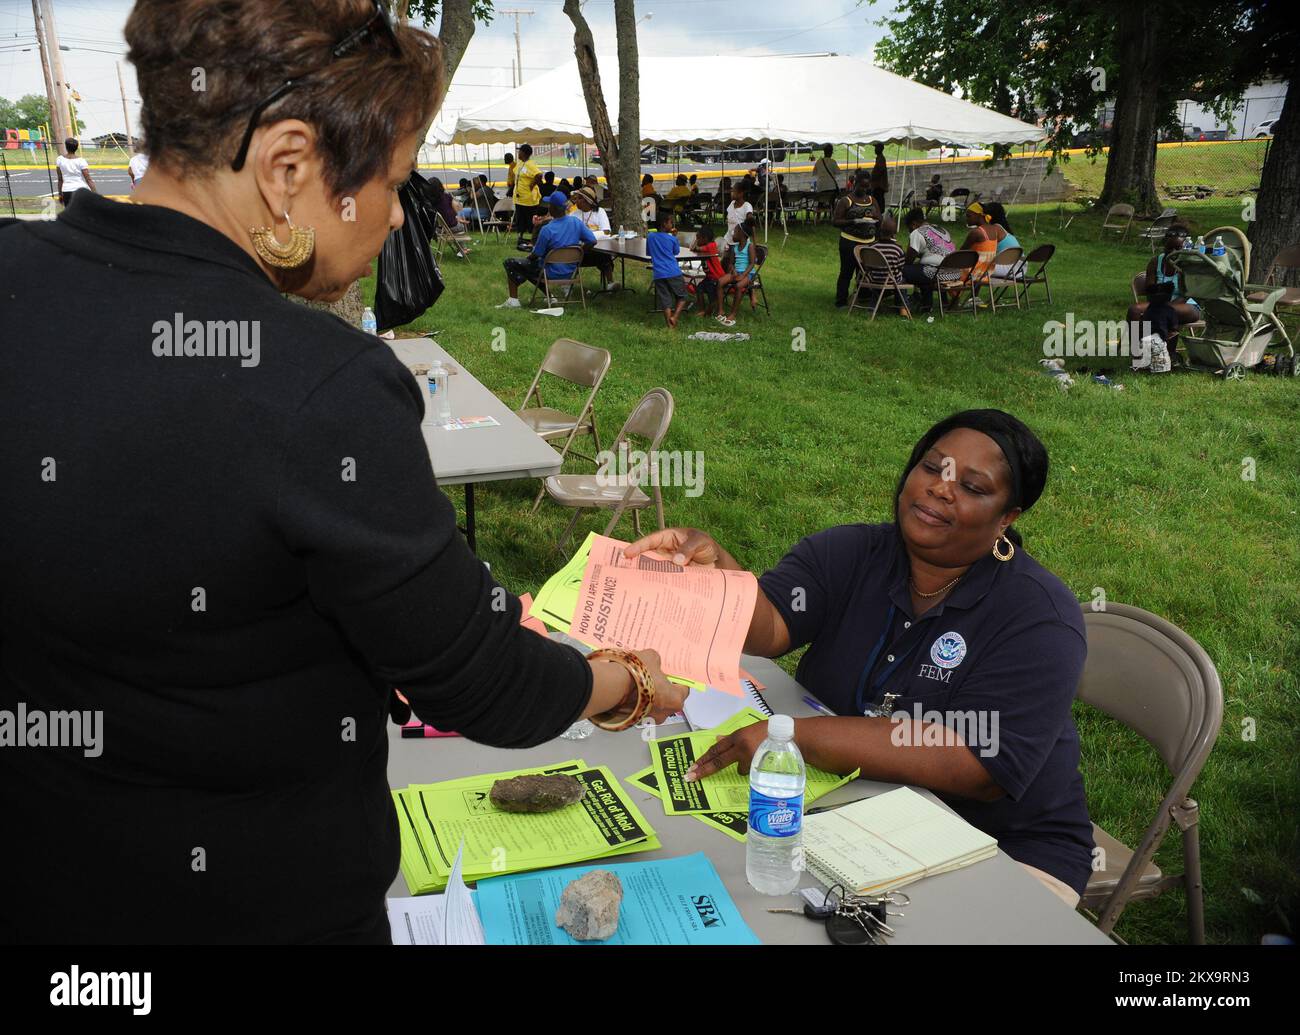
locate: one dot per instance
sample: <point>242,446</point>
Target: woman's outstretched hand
<point>683,545</point>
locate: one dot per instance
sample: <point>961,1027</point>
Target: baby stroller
<point>1238,332</point>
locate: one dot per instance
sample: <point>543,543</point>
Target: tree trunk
<point>1131,163</point>
<point>620,156</point>
<point>455,31</point>
<point>1277,208</point>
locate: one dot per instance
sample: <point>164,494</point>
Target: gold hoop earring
<point>1010,548</point>
<point>290,255</point>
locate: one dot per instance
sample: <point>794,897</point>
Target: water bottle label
<point>775,817</point>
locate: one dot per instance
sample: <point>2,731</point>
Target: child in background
<point>740,259</point>
<point>670,286</point>
<point>706,289</point>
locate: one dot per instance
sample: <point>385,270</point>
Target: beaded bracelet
<point>645,688</point>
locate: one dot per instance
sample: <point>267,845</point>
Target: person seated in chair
<point>927,245</point>
<point>939,612</point>
<point>1159,271</point>
<point>739,265</point>
<point>561,231</point>
<point>888,247</point>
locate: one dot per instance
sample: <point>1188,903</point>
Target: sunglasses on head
<point>379,23</point>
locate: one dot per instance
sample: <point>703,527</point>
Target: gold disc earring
<point>1010,548</point>
<point>290,255</point>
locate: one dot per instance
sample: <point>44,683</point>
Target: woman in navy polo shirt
<point>949,655</point>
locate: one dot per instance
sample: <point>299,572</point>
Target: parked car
<point>1265,128</point>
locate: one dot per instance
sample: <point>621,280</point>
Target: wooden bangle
<point>645,689</point>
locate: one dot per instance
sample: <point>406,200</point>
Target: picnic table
<point>634,248</point>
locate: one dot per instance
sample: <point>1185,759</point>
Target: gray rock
<point>589,906</point>
<point>536,793</point>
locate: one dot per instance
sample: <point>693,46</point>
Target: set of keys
<point>852,919</point>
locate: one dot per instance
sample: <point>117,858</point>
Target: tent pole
<point>473,188</point>
<point>767,189</point>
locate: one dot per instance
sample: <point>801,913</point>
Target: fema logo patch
<point>948,650</point>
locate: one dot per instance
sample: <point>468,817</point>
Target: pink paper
<point>696,618</point>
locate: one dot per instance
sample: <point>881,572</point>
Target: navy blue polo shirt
<point>1006,646</point>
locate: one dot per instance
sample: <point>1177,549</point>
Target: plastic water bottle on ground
<point>774,841</point>
<point>368,322</point>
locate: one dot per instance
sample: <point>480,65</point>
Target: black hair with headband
<point>1025,454</point>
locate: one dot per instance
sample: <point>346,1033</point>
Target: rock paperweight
<point>536,793</point>
<point>589,906</point>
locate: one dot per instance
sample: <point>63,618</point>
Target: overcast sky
<point>93,28</point>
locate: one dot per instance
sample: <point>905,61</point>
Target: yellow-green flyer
<point>604,822</point>
<point>733,824</point>
<point>725,791</point>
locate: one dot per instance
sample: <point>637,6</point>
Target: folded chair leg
<point>541,493</point>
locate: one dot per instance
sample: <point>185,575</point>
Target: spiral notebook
<point>714,707</point>
<point>893,839</point>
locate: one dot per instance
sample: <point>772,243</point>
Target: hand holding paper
<point>696,618</point>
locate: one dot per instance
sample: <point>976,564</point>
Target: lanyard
<point>878,683</point>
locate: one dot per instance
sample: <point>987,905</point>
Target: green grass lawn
<point>1145,499</point>
<point>1228,166</point>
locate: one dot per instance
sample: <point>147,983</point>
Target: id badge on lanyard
<point>885,706</point>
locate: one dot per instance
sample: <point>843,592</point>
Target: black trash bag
<point>408,281</point>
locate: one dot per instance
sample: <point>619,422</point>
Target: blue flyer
<point>678,901</point>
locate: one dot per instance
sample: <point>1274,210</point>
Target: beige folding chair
<point>1151,676</point>
<point>446,235</point>
<point>1007,257</point>
<point>955,273</point>
<point>620,490</point>
<point>1158,228</point>
<point>578,364</point>
<point>1041,255</point>
<point>1118,218</point>
<point>502,215</point>
<point>870,259</point>
<point>1285,264</point>
<point>571,255</point>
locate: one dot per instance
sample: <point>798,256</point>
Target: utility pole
<point>519,54</point>
<point>45,62</point>
<point>59,113</point>
<point>126,115</point>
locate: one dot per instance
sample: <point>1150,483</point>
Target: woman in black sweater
<point>221,542</point>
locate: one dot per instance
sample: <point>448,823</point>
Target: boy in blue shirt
<point>562,231</point>
<point>670,287</point>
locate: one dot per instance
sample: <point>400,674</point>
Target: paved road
<point>34,183</point>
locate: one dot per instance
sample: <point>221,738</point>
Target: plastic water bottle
<point>774,841</point>
<point>441,403</point>
<point>368,322</point>
<point>1200,245</point>
<point>1219,247</point>
<point>621,234</point>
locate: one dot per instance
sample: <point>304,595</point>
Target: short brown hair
<point>240,51</point>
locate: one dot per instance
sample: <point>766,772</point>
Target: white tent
<point>817,98</point>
